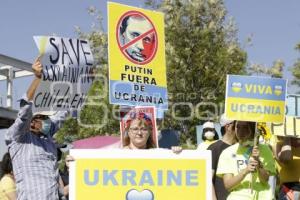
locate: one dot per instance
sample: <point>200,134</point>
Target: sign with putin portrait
<point>136,55</point>
<point>253,98</point>
<point>124,174</point>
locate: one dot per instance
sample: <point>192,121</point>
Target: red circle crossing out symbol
<point>137,37</point>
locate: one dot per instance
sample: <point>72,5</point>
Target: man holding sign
<point>32,149</point>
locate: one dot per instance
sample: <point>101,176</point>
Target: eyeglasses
<point>136,130</point>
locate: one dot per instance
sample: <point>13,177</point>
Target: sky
<point>273,24</point>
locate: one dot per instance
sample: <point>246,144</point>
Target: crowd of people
<point>242,168</point>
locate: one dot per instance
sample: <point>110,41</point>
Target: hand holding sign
<point>37,67</point>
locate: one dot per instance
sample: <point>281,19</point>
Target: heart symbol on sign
<point>133,194</point>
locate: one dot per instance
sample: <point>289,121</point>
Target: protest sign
<point>136,55</point>
<point>67,73</point>
<point>140,174</point>
<point>258,99</point>
<point>290,127</point>
<point>293,105</point>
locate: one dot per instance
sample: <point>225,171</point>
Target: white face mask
<point>209,135</point>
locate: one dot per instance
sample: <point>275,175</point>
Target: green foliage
<point>201,49</point>
<point>296,69</point>
<point>276,70</point>
<point>96,117</point>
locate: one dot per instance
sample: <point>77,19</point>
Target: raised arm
<point>37,69</point>
<point>284,150</point>
<point>22,123</point>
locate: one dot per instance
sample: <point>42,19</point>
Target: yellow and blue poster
<point>136,56</point>
<point>155,174</point>
<point>259,99</point>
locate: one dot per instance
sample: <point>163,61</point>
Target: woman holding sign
<point>242,163</point>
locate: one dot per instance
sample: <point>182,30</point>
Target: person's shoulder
<point>215,145</point>
<point>232,148</point>
<point>7,180</point>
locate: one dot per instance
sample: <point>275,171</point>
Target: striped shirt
<point>34,157</point>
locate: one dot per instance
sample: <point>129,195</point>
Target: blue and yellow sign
<point>259,99</point>
<point>136,56</point>
<point>140,174</point>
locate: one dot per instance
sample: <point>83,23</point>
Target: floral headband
<point>139,116</point>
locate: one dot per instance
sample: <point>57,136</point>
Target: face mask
<point>209,135</point>
<point>46,125</point>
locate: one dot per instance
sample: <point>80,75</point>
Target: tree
<point>201,48</point>
<point>296,69</point>
<point>96,117</point>
<point>275,71</point>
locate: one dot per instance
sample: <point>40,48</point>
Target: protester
<point>228,139</point>
<point>138,132</point>
<point>32,149</point>
<point>245,168</point>
<point>65,176</point>
<point>7,180</point>
<point>288,156</point>
<point>209,135</point>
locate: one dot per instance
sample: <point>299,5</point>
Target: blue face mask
<point>46,126</point>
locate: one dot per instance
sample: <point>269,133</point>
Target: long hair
<point>144,120</point>
<point>6,165</point>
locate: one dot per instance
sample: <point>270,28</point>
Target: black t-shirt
<point>65,178</point>
<point>216,150</point>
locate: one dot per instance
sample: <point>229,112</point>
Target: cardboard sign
<point>290,127</point>
<point>136,56</point>
<point>140,174</point>
<point>67,73</point>
<point>257,99</point>
<point>293,105</point>
<point>145,114</point>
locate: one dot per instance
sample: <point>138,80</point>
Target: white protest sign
<point>67,73</point>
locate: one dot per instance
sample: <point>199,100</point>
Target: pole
<point>255,143</point>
